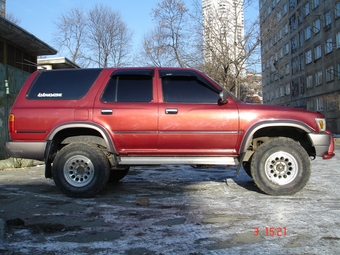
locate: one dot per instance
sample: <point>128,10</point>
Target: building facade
<point>223,22</point>
<point>3,8</point>
<point>301,55</point>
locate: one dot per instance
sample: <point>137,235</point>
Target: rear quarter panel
<point>35,119</point>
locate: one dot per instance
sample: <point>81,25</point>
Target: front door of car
<point>127,109</point>
<point>191,122</point>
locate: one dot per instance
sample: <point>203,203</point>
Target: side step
<point>176,160</point>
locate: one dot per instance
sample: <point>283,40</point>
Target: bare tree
<point>154,51</point>
<point>71,34</point>
<point>169,42</point>
<point>97,37</point>
<point>109,37</point>
<point>227,49</point>
<point>12,18</point>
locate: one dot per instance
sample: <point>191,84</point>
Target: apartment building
<point>223,29</point>
<point>2,8</point>
<point>301,55</point>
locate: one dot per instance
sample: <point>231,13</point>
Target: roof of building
<point>19,36</point>
<point>57,63</point>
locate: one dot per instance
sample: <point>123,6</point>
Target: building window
<point>286,28</point>
<point>315,3</point>
<point>287,69</point>
<point>318,78</point>
<point>280,34</point>
<point>295,88</point>
<point>316,26</point>
<point>301,38</point>
<point>317,52</point>
<point>337,10</point>
<point>310,105</point>
<point>307,33</point>
<point>299,17</point>
<point>279,16</point>
<point>330,74</point>
<point>287,88</point>
<point>282,91</point>
<point>309,81</point>
<point>302,85</point>
<point>292,22</point>
<point>285,9</point>
<point>308,56</point>
<point>319,104</point>
<point>338,40</point>
<point>338,75</point>
<point>307,9</point>
<point>301,62</point>
<point>294,44</point>
<point>286,48</point>
<point>331,103</point>
<point>328,19</point>
<point>328,46</point>
<point>295,65</point>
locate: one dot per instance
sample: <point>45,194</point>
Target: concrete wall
<point>16,79</point>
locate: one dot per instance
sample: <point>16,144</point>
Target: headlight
<point>321,122</point>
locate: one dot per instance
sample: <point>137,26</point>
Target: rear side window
<point>129,87</point>
<point>63,84</point>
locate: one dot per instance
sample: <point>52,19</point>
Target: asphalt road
<point>184,210</point>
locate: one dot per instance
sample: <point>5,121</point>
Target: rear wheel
<point>280,166</point>
<point>81,170</point>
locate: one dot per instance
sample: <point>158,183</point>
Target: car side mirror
<point>223,97</point>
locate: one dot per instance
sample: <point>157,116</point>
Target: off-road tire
<point>81,170</point>
<point>280,166</point>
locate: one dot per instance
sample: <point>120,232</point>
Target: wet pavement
<point>172,210</point>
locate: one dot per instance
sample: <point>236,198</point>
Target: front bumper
<point>29,150</point>
<point>323,144</point>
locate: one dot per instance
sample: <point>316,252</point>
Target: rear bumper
<point>323,144</point>
<point>30,150</point>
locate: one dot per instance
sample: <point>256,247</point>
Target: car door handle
<point>171,111</point>
<point>107,112</point>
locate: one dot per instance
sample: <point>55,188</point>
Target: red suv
<point>88,124</point>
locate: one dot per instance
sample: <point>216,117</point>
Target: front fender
<point>248,136</point>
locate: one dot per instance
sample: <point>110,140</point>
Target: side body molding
<point>246,141</point>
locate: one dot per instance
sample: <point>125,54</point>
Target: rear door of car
<point>128,110</point>
<point>191,121</point>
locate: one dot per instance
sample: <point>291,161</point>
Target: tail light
<point>11,123</point>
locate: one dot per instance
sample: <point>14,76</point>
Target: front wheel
<point>81,170</point>
<point>280,166</point>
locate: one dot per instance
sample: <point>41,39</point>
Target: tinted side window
<point>187,89</point>
<point>63,84</point>
<point>128,88</point>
